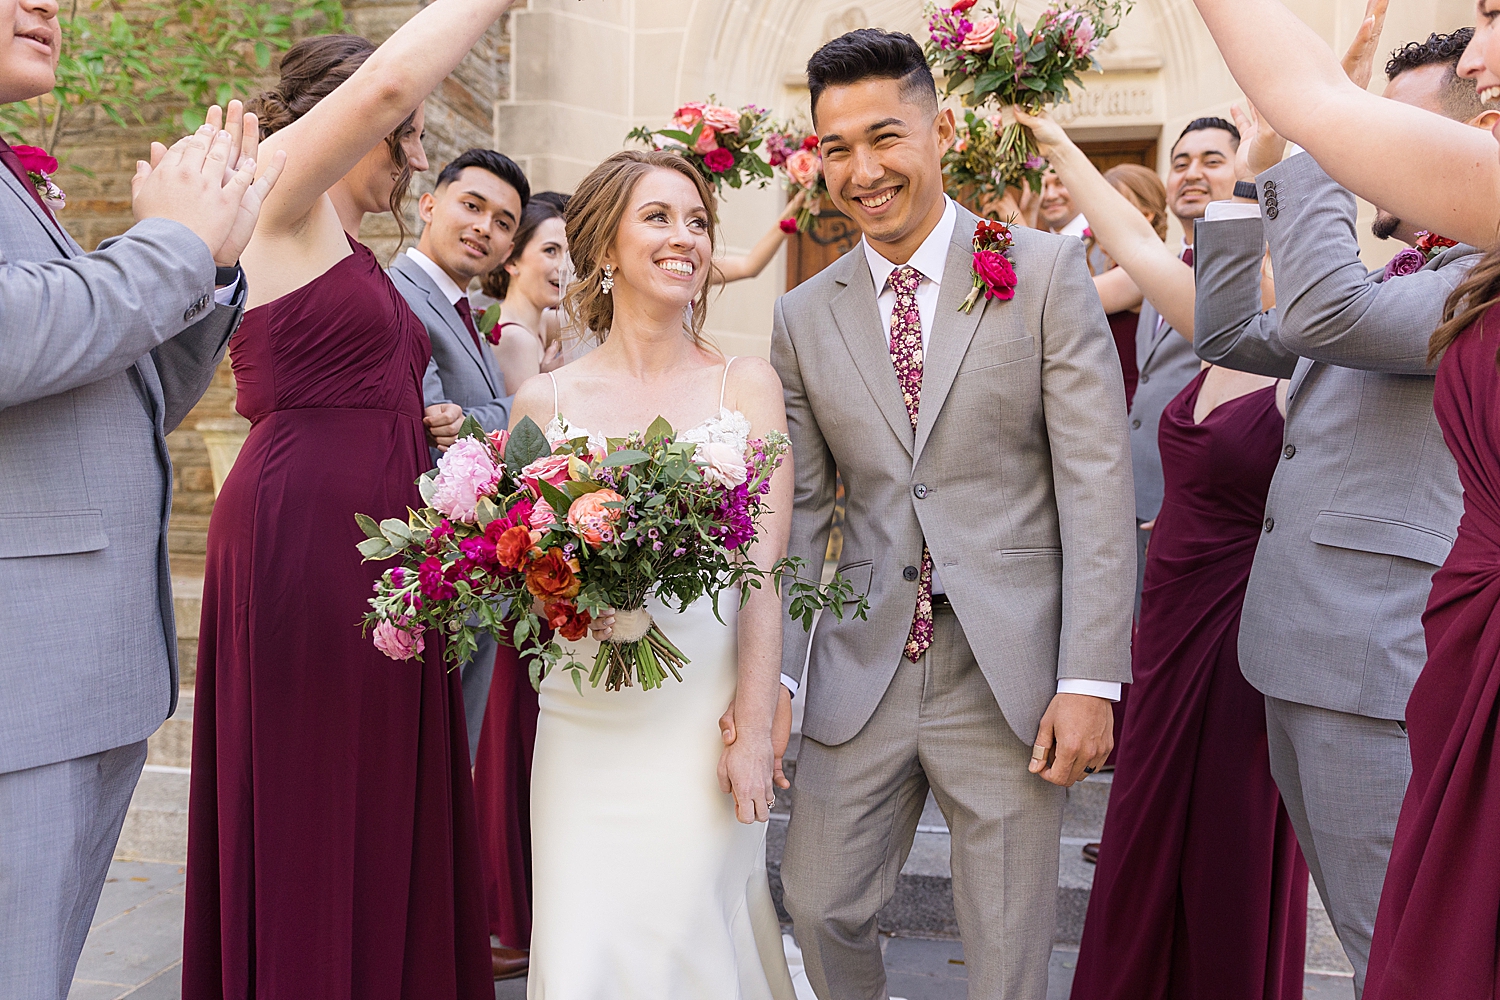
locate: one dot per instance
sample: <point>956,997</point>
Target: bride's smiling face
<point>663,248</point>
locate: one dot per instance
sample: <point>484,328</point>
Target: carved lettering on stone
<point>1106,102</point>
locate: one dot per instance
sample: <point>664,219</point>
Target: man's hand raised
<point>1075,738</point>
<point>193,183</point>
<point>1359,61</point>
<point>1260,147</point>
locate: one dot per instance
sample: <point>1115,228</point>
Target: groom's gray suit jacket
<point>458,372</point>
<point>1365,501</point>
<point>101,355</point>
<point>1017,477</point>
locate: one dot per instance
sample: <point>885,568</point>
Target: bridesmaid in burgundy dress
<point>1201,890</point>
<point>332,844</point>
<point>502,795</point>
<point>1438,930</point>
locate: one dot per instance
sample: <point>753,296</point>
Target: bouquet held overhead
<point>520,532</point>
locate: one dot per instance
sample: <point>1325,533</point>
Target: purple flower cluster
<point>948,27</point>
<point>434,586</point>
<point>779,147</point>
<point>736,523</point>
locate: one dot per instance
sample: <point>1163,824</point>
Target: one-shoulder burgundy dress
<point>332,849</point>
<point>1201,889</point>
<point>1438,930</point>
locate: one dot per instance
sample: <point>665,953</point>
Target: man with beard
<point>1202,171</point>
<point>1365,501</point>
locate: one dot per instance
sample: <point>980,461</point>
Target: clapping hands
<point>206,181</point>
<point>1260,147</point>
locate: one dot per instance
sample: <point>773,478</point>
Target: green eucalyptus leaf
<point>627,456</point>
<point>659,431</point>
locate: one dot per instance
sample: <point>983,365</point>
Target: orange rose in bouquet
<point>551,576</point>
<point>592,520</point>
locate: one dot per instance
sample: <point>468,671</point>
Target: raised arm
<point>1121,229</point>
<point>1433,172</point>
<point>332,137</point>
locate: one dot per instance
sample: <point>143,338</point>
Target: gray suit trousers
<point>474,677</point>
<point>58,828</point>
<point>1342,778</point>
<point>856,811</point>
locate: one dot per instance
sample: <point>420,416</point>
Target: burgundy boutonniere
<point>994,277</point>
<point>40,166</point>
<point>1413,259</point>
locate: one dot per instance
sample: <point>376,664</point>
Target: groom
<point>987,469</point>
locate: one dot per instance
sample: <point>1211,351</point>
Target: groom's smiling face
<point>883,144</point>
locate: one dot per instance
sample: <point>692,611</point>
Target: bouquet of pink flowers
<point>986,57</point>
<point>969,168</point>
<point>793,150</point>
<point>519,532</point>
<point>721,142</point>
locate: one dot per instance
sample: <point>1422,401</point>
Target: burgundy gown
<point>502,795</point>
<point>1438,929</point>
<point>332,849</point>
<point>1201,890</point>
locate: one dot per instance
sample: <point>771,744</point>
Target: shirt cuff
<point>1108,690</point>
<point>790,683</point>
<point>1231,210</point>
<point>224,296</point>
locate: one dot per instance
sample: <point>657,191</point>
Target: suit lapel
<point>444,310</point>
<point>1161,331</point>
<point>858,319</point>
<point>52,228</point>
<point>952,330</point>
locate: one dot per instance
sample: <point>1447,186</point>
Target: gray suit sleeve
<point>492,416</point>
<point>813,497</point>
<point>1084,402</point>
<point>433,392</point>
<point>68,323</point>
<point>1229,327</point>
<point>185,364</point>
<point>1331,310</point>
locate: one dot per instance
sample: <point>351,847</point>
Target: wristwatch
<point>227,275</point>
<point>1246,189</point>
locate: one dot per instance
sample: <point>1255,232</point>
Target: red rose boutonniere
<point>1431,244</point>
<point>40,166</point>
<point>994,277</point>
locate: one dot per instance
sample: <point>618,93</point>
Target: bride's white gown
<point>645,885</point>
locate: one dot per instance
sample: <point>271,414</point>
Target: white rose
<point>721,464</point>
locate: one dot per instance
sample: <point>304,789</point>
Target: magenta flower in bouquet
<point>985,54</point>
<point>720,141</point>
<point>519,532</point>
<point>792,149</point>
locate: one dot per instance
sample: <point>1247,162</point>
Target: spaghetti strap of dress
<point>725,383</point>
<point>556,412</point>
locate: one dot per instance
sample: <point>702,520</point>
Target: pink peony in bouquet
<point>520,532</point>
<point>986,55</point>
<point>720,141</point>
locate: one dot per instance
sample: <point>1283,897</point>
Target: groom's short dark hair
<point>498,164</point>
<point>1460,98</point>
<point>872,54</point>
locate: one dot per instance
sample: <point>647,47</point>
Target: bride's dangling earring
<point>608,284</point>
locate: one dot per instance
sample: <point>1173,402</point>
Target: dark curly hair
<point>871,54</point>
<point>310,71</point>
<point>1460,99</point>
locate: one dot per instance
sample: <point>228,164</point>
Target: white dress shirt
<point>929,260</point>
<point>1076,227</point>
<point>445,284</point>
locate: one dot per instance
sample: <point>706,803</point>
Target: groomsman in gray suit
<point>1365,501</point>
<point>101,354</point>
<point>1202,171</point>
<point>470,221</point>
<point>988,479</point>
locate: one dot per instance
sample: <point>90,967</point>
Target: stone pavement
<point>135,950</point>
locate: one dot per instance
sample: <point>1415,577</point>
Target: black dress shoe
<point>1091,853</point>
<point>509,963</point>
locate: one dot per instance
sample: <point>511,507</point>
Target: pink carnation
<point>465,473</point>
<point>721,119</point>
<point>689,115</point>
<point>550,469</point>
<point>399,643</point>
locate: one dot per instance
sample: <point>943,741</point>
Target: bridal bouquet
<point>970,166</point>
<point>521,532</point>
<point>721,142</point>
<point>986,57</point>
<point>793,150</point>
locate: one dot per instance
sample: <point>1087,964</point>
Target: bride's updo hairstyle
<point>310,71</point>
<point>593,221</point>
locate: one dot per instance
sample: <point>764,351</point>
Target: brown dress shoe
<point>509,963</point>
<point>1090,854</point>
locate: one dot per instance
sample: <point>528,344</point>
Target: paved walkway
<point>135,950</point>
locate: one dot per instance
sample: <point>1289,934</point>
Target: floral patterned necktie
<point>906,356</point>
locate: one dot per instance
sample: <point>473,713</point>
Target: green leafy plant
<point>118,66</point>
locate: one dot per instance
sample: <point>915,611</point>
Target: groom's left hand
<point>781,736</point>
<point>1077,732</point>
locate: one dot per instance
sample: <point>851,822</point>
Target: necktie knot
<point>905,279</point>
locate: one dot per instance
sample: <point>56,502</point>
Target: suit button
<point>1270,523</point>
<point>919,491</point>
<point>1270,187</point>
<point>1144,378</point>
<point>1135,424</point>
<point>1271,212</point>
<point>910,574</point>
<point>1289,450</point>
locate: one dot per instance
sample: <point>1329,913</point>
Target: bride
<point>649,879</point>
